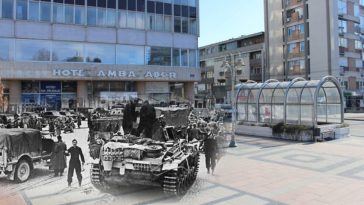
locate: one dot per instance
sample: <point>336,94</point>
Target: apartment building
<point>311,39</point>
<point>244,54</point>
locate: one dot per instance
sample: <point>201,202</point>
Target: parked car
<point>53,115</point>
<point>27,115</point>
<point>69,114</point>
<point>8,120</point>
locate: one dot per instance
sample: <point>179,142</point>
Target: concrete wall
<point>63,32</point>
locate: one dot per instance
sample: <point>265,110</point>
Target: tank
<point>128,160</point>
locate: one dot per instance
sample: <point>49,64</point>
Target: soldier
<point>74,163</point>
<point>79,121</point>
<point>211,148</point>
<point>58,157</point>
<point>147,119</point>
<point>129,117</point>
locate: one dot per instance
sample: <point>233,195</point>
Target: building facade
<point>95,53</point>
<point>244,54</point>
<point>312,39</point>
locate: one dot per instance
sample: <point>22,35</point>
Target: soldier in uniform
<point>147,119</point>
<point>58,157</point>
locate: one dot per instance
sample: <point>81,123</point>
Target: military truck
<point>21,150</point>
<point>167,160</point>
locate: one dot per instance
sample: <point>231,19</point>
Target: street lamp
<point>233,68</point>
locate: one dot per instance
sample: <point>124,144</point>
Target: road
<point>258,171</point>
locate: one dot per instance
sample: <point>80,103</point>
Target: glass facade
<point>51,95</point>
<point>155,15</point>
<point>60,51</point>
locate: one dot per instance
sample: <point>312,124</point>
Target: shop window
<point>69,87</point>
<point>30,86</point>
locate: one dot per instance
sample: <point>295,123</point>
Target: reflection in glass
<point>45,11</point>
<point>91,16</point>
<point>130,54</point>
<point>111,17</point>
<point>122,18</point>
<point>34,10</point>
<point>158,56</point>
<point>192,58</point>
<point>80,15</point>
<point>98,53</point>
<point>184,57</point>
<point>32,50</point>
<point>140,20</point>
<point>6,49</point>
<point>69,13</point>
<point>7,9</point>
<point>21,9</point>
<point>58,13</point>
<point>131,19</point>
<point>176,57</point>
<point>101,16</point>
<point>67,52</point>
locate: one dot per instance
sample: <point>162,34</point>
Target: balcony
<point>296,55</point>
<point>297,35</point>
<point>290,3</point>
<point>295,17</point>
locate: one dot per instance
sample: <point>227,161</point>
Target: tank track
<point>97,178</point>
<point>178,182</point>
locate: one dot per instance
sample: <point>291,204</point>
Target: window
<point>58,13</point>
<point>100,53</point>
<point>111,17</point>
<point>192,58</point>
<point>32,50</point>
<point>140,20</point>
<point>184,25</point>
<point>151,21</point>
<point>122,18</point>
<point>358,63</point>
<point>80,15</point>
<point>184,57</point>
<point>343,62</point>
<point>67,52</point>
<point>131,19</point>
<point>358,45</point>
<point>342,7</point>
<point>91,16</point>
<point>7,9</point>
<point>343,42</point>
<point>177,24</point>
<point>356,10</point>
<point>129,55</point>
<point>21,9</point>
<point>176,57</point>
<point>159,23</point>
<point>158,56</point>
<point>45,11</point>
<point>168,23</point>
<point>69,13</point>
<point>6,49</point>
<point>34,10</point>
<point>342,26</point>
<point>101,16</point>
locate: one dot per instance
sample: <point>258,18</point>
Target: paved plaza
<point>258,171</point>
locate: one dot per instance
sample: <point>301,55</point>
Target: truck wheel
<point>22,171</point>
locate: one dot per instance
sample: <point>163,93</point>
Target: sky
<point>225,19</point>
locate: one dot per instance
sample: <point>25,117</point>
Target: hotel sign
<point>114,74</point>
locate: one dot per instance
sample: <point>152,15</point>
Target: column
<point>82,98</point>
<point>189,92</point>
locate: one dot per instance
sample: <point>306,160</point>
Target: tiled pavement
<point>258,171</point>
